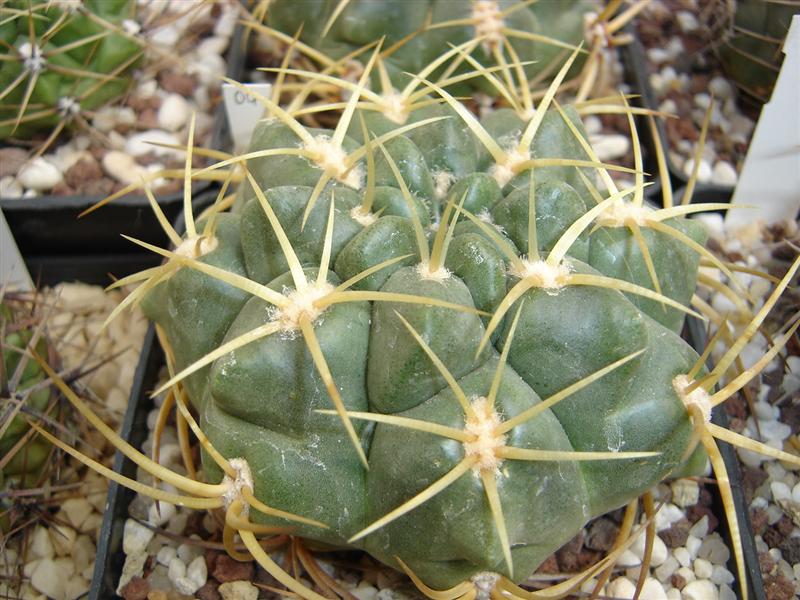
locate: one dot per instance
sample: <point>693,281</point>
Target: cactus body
<point>751,46</point>
<point>262,400</point>
<point>62,58</point>
<point>363,22</point>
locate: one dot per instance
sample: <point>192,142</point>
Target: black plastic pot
<point>755,584</point>
<point>49,226</point>
<point>637,75</point>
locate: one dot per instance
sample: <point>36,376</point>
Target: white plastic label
<point>770,177</point>
<point>243,111</point>
<point>13,272</point>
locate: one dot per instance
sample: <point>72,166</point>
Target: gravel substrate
<point>184,63</point>
<point>53,556</point>
<point>686,77</point>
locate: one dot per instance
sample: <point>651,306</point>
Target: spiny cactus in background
<point>749,41</point>
<point>418,340</point>
<point>534,36</point>
<point>61,60</point>
<point>21,397</point>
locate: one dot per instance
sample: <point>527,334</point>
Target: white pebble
<point>621,587</point>
<point>703,173</point>
<point>610,147</point>
<point>50,578</point>
<point>364,591</point>
<point>685,492</point>
<point>188,552</point>
<point>668,567</point>
<point>592,124</point>
<point>714,550</point>
<point>137,144</point>
<point>176,569</point>
<point>683,556</point>
<point>686,21</point>
<point>658,55</point>
<point>796,494</point>
<point>628,559</point>
<point>39,174</point>
<point>721,576</point>
<point>750,458</point>
<point>173,112</point>
<point>720,87</point>
<point>687,574</point>
<point>668,106</point>
<point>724,174</point>
<point>700,529</point>
<point>702,100</point>
<point>161,514</point>
<point>780,491</point>
<point>165,555</point>
<point>702,589</point>
<point>766,411</point>
<point>197,571</point>
<point>135,537</point>
<point>238,590</point>
<point>212,45</point>
<point>713,222</point>
<point>726,593</point>
<point>693,546</point>
<point>653,590</point>
<point>122,167</point>
<point>10,187</point>
<point>774,430</point>
<point>40,544</point>
<point>673,594</point>
<point>668,515</point>
<point>703,569</point>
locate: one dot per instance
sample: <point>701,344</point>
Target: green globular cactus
<point>749,42</point>
<point>17,377</point>
<point>495,32</point>
<point>60,59</point>
<point>421,338</point>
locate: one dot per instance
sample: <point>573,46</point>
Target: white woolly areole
<point>442,180</point>
<point>31,56</point>
<point>196,247</point>
<point>542,274</point>
<point>394,107</point>
<point>487,441</point>
<point>68,106</point>
<point>425,272</point>
<point>332,159</point>
<point>504,171</point>
<point>301,303</point>
<point>244,480</point>
<point>619,213</point>
<point>71,6</point>
<point>697,397</point>
<point>484,584</point>
<point>362,217</point>
<point>131,27</point>
<point>594,31</point>
<point>488,20</point>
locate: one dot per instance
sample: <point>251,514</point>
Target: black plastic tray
<point>48,225</point>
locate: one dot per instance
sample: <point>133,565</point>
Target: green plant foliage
<point>60,59</point>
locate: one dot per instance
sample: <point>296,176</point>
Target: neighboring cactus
<point>749,42</point>
<point>23,455</point>
<point>535,37</point>
<point>453,290</point>
<point>60,59</point>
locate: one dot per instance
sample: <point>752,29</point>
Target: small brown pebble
<point>697,512</point>
<point>766,562</point>
<point>759,520</point>
<point>752,479</point>
<point>208,592</point>
<point>83,172</point>
<point>784,526</point>
<point>777,587</point>
<point>550,565</point>
<point>227,569</point>
<point>677,581</point>
<point>601,535</point>
<point>148,119</point>
<point>677,534</point>
<point>157,595</point>
<point>11,159</point>
<point>790,549</point>
<point>62,189</point>
<point>136,589</point>
<point>177,83</point>
<point>773,537</point>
